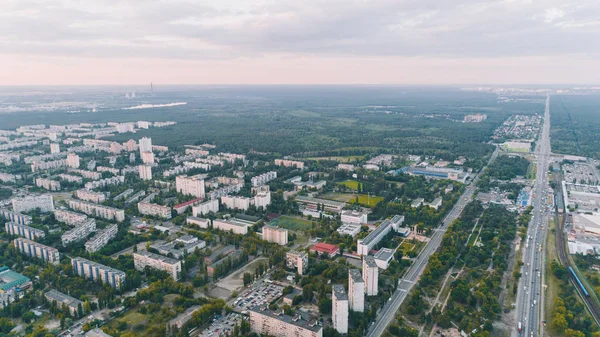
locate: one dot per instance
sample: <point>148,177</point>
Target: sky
<point>71,42</point>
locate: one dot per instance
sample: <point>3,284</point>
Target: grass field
<point>292,223</point>
<point>351,184</point>
<point>338,159</point>
<point>366,200</point>
<point>343,197</point>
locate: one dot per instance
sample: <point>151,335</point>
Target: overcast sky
<point>299,41</point>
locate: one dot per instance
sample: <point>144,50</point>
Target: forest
<point>575,121</point>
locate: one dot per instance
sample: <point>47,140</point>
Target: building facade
<point>275,234</point>
<point>104,212</point>
<point>98,272</point>
<point>298,260</point>
<point>356,291</point>
<point>339,311</point>
<point>101,238</point>
<point>206,207</point>
<point>145,259</point>
<point>33,249</point>
<point>193,185</point>
<point>44,202</point>
<point>25,231</point>
<point>269,323</point>
<point>370,275</point>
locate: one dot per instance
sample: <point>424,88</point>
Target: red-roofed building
<point>320,248</point>
<point>184,206</point>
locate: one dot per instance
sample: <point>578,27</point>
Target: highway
<point>388,312</point>
<point>529,296</point>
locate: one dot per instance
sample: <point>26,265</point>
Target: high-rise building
<point>147,157</point>
<point>339,311</point>
<point>54,148</point>
<point>191,185</point>
<point>298,260</point>
<point>145,172</point>
<point>356,291</point>
<point>73,160</point>
<point>145,145</point>
<point>275,234</point>
<point>33,249</point>
<point>206,207</point>
<point>370,275</point>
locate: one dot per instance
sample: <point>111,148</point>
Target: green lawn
<point>292,223</point>
<point>343,197</point>
<point>351,184</point>
<point>366,200</point>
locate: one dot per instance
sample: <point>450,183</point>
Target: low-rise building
<point>237,226</point>
<point>61,299</point>
<point>271,323</point>
<point>324,204</point>
<point>436,203</point>
<point>349,229</point>
<point>33,249</point>
<point>180,247</point>
<point>200,222</point>
<point>383,257</point>
<point>322,248</point>
<point>289,163</point>
<point>144,259</point>
<point>351,216</point>
<point>181,208</point>
<point>101,238</point>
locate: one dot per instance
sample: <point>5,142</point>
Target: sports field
<point>293,223</point>
<point>351,184</point>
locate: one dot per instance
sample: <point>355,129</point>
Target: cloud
<point>227,29</point>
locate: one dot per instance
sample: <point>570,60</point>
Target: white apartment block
<point>33,249</point>
<point>275,234</point>
<point>370,275</point>
<point>339,311</point>
<point>298,260</point>
<point>112,170</point>
<point>79,232</point>
<point>200,222</point>
<point>263,178</point>
<point>88,174</point>
<point>145,172</point>
<point>147,157</point>
<point>47,184</point>
<point>44,202</point>
<point>8,178</point>
<point>145,144</point>
<point>91,196</point>
<point>70,218</point>
<point>231,202</point>
<point>54,148</point>
<point>48,165</point>
<point>105,212</point>
<point>191,185</point>
<point>350,216</point>
<point>101,238</point>
<point>265,322</point>
<point>13,228</point>
<point>144,259</point>
<point>98,272</point>
<point>70,178</point>
<point>73,160</point>
<point>289,163</point>
<point>124,127</point>
<point>160,211</point>
<point>206,207</point>
<point>20,219</point>
<point>116,180</point>
<point>235,225</point>
<point>262,199</point>
<point>143,124</point>
<point>356,291</point>
<point>345,167</point>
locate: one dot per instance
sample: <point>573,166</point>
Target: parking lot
<point>580,173</point>
<point>222,326</point>
<point>260,293</point>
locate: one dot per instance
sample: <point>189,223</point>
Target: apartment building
<point>263,178</point>
<point>47,184</point>
<point>289,163</point>
<point>261,199</point>
<point>298,260</point>
<point>91,196</point>
<point>87,174</point>
<point>191,185</point>
<point>25,231</point>
<point>200,222</point>
<point>54,148</point>
<point>63,299</point>
<point>145,144</point>
<point>339,311</point>
<point>275,234</point>
<point>147,157</point>
<point>231,202</point>
<point>73,160</point>
<point>160,211</point>
<point>266,322</point>
<point>237,226</point>
<point>33,249</point>
<point>145,259</point>
<point>370,273</point>
<point>101,238</point>
<point>116,180</point>
<point>20,219</point>
<point>356,291</point>
<point>111,170</point>
<point>70,218</point>
<point>206,207</point>
<point>145,172</point>
<point>98,272</point>
<point>7,177</point>
<point>48,165</point>
<point>70,178</point>
<point>104,212</point>
<point>346,167</point>
<point>44,202</point>
<point>79,232</point>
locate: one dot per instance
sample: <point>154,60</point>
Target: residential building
<point>47,184</point>
<point>68,217</point>
<point>351,216</point>
<point>19,218</point>
<point>191,185</point>
<point>54,148</point>
<point>200,222</point>
<point>289,163</point>
<point>182,318</point>
<point>298,260</point>
<point>160,211</point>
<point>356,291</point>
<point>116,180</point>
<point>145,172</point>
<point>237,226</point>
<point>33,249</point>
<point>101,238</point>
<point>212,270</point>
<point>48,165</point>
<point>145,259</point>
<point>370,274</point>
<point>206,207</point>
<point>339,311</point>
<point>322,248</point>
<point>383,257</point>
<point>261,199</point>
<point>145,145</point>
<point>25,231</point>
<point>181,208</point>
<point>97,272</point>
<point>104,212</point>
<point>275,234</point>
<point>71,178</point>
<point>63,299</point>
<point>44,202</point>
<point>73,160</point>
<point>79,232</point>
<point>263,178</point>
<point>345,167</point>
<point>88,174</point>
<point>231,202</point>
<point>266,322</point>
<point>147,157</point>
<point>87,195</point>
<point>7,177</point>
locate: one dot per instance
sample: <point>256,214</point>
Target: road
<point>530,292</point>
<point>387,313</point>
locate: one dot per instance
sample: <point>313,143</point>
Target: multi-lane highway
<point>530,292</point>
<point>387,313</point>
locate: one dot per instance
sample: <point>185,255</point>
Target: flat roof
<point>235,222</point>
<point>10,279</point>
<point>62,298</point>
<point>339,292</point>
<point>99,265</point>
<point>356,275</point>
<point>297,319</point>
<point>384,254</point>
<point>374,234</point>
<point>370,261</point>
<point>157,257</point>
<point>321,201</point>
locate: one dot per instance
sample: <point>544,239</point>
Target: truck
<point>519,327</point>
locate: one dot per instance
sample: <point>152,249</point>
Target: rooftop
<point>370,261</point>
<point>187,203</point>
<point>374,234</point>
<point>157,257</point>
<point>355,275</point>
<point>384,254</point>
<point>10,279</point>
<point>101,266</point>
<point>339,292</point>
<point>298,319</point>
<point>325,248</point>
<point>321,201</point>
<point>62,298</point>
